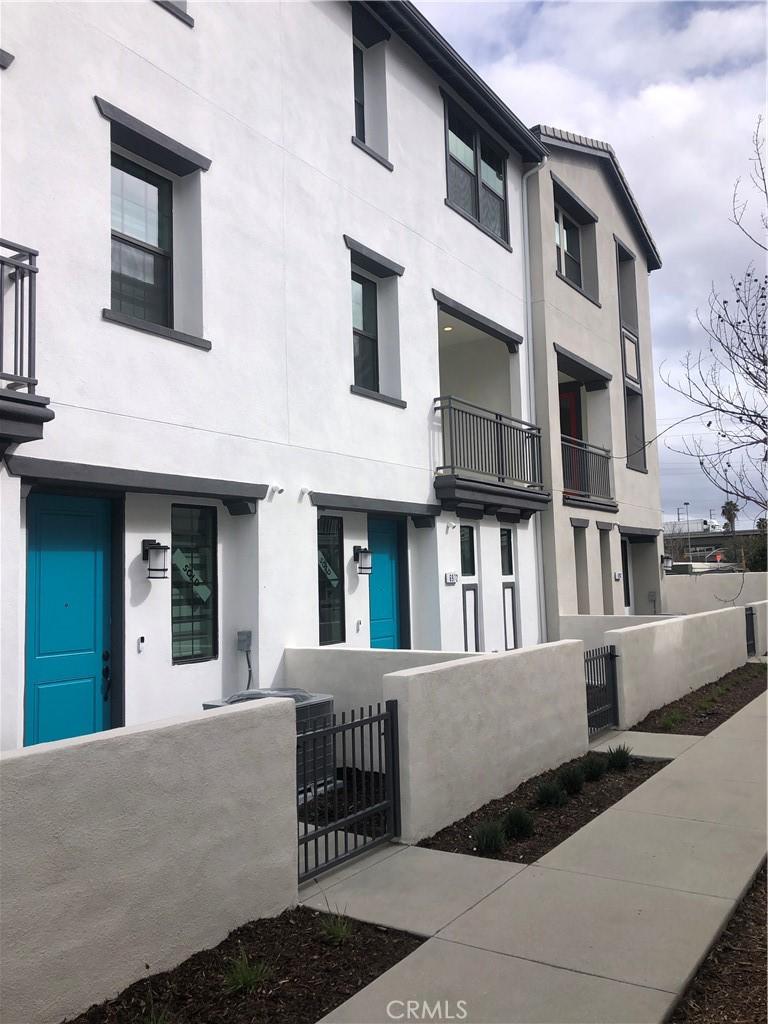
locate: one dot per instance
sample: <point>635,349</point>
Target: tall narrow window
<point>507,562</point>
<point>330,579</point>
<point>141,243</point>
<point>568,244</point>
<point>359,68</point>
<point>365,332</point>
<point>194,584</point>
<point>467,540</point>
<point>476,173</point>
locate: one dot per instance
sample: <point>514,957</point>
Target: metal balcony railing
<point>18,273</point>
<point>486,444</point>
<point>586,469</point>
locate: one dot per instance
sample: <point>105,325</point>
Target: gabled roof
<point>569,140</point>
<point>404,18</point>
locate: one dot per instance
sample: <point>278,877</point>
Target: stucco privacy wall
<point>704,592</point>
<point>471,730</point>
<point>592,628</point>
<point>149,842</point>
<point>353,676</point>
<point>761,627</point>
<point>660,662</point>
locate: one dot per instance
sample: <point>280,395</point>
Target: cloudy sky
<point>676,88</point>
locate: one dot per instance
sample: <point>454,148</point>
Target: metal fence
<point>586,469</point>
<point>18,273</point>
<point>602,691</point>
<point>348,786</point>
<point>749,614</point>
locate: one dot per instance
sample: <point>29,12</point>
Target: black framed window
<point>359,74</point>
<point>476,173</point>
<point>194,584</point>
<point>142,243</point>
<point>467,539</point>
<point>365,332</point>
<point>568,244</point>
<point>330,579</point>
<point>507,560</point>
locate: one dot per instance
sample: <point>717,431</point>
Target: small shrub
<point>595,767</point>
<point>705,706</point>
<point>336,929</point>
<point>619,757</point>
<point>244,976</point>
<point>572,779</point>
<point>517,823</point>
<point>551,794</point>
<point>489,838</point>
<point>671,720</point>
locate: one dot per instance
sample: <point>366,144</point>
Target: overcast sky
<point>676,88</point>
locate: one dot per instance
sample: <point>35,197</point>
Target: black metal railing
<point>348,786</point>
<point>488,444</point>
<point>749,614</point>
<point>18,273</point>
<point>586,469</point>
<point>602,691</point>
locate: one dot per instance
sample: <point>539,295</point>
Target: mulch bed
<point>729,987</point>
<point>552,825</point>
<point>698,713</point>
<point>310,975</point>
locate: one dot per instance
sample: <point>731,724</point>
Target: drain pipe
<point>537,540</point>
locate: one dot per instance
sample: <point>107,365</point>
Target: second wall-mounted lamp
<point>363,558</point>
<point>155,555</point>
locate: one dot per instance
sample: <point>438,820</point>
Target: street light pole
<point>688,521</point>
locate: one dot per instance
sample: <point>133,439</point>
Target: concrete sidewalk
<point>608,927</point>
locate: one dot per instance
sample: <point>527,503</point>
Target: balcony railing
<point>586,469</point>
<point>479,442</point>
<point>18,273</point>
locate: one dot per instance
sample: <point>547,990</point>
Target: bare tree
<point>729,378</point>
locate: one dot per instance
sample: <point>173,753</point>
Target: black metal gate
<point>751,644</point>
<point>602,695</point>
<point>348,786</point>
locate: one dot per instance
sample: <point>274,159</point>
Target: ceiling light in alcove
<point>447,328</point>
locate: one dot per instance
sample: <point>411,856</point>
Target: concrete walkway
<point>608,927</point>
<point>655,746</point>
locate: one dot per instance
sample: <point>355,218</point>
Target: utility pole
<point>688,521</point>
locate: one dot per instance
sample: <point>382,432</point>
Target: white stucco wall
<point>140,846</point>
<point>703,592</point>
<point>657,663</point>
<point>761,627</point>
<point>592,628</point>
<point>471,730</point>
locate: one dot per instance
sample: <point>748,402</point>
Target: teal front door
<point>384,582</point>
<point>68,660</point>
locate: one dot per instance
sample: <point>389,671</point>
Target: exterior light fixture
<point>666,562</point>
<point>155,555</point>
<point>363,558</point>
<point>447,327</point>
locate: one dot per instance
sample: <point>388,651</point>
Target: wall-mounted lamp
<point>363,558</point>
<point>666,563</point>
<point>155,555</point>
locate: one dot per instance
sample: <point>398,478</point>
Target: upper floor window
<point>369,55</point>
<point>359,67</point>
<point>142,243</point>
<point>476,173</point>
<point>568,245</point>
<point>365,332</point>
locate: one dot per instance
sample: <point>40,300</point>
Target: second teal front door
<point>384,582</point>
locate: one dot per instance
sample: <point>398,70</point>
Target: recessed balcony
<point>587,475</point>
<point>490,463</point>
<point>22,411</point>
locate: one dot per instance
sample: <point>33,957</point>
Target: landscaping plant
<point>517,823</point>
<point>671,720</point>
<point>336,928</point>
<point>489,838</point>
<point>572,779</point>
<point>595,767</point>
<point>551,794</point>
<point>244,976</point>
<point>619,757</point>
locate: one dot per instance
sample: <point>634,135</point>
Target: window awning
<point>148,142</point>
<point>353,503</point>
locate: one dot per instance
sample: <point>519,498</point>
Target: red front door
<point>570,411</point>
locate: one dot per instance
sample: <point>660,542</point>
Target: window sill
<point>478,225</point>
<point>194,661</point>
<point>636,469</point>
<point>577,289</point>
<point>170,6</point>
<point>156,329</point>
<point>376,396</point>
<point>372,153</point>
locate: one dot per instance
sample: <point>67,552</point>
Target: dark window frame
<point>165,194</point>
<point>506,531</point>
<point>479,135</point>
<point>561,216</point>
<point>342,585</point>
<point>358,56</point>
<point>214,655</point>
<point>632,386</point>
<point>465,530</point>
<point>363,280</point>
